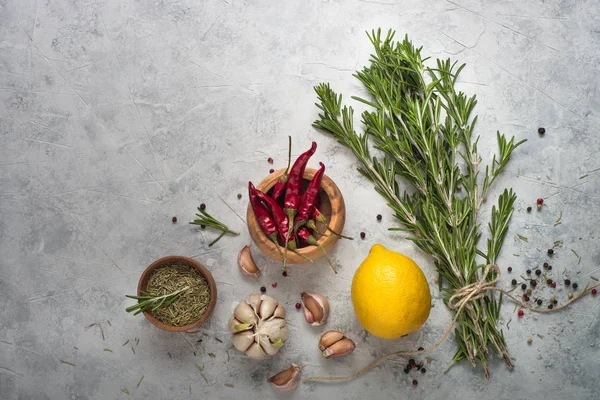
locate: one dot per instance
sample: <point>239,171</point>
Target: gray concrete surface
<point>117,115</point>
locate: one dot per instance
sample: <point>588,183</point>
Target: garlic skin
<point>246,263</point>
<point>286,380</point>
<point>258,326</point>
<point>315,307</point>
<point>335,344</point>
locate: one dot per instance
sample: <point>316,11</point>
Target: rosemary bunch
<point>423,128</point>
<point>153,302</point>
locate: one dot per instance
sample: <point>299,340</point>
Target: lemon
<point>390,294</point>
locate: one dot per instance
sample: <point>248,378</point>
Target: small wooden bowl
<point>201,270</point>
<point>332,207</point>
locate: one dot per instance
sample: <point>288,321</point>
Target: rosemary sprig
<point>422,128</point>
<point>205,219</point>
<point>153,302</point>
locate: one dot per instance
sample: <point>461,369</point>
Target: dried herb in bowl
<point>176,294</point>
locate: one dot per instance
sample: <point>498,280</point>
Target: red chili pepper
<point>307,202</point>
<point>304,234</point>
<point>279,187</point>
<point>266,222</point>
<point>291,201</point>
<point>280,219</point>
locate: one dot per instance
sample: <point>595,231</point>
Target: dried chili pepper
<point>291,201</point>
<point>265,221</point>
<point>281,182</point>
<point>307,202</point>
<point>305,235</point>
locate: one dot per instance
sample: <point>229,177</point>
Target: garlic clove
<point>340,348</point>
<point>316,307</point>
<point>256,351</point>
<point>247,264</point>
<point>244,313</point>
<point>267,307</point>
<point>273,328</point>
<point>283,333</point>
<point>279,312</point>
<point>270,348</point>
<point>254,300</point>
<point>328,338</point>
<point>286,380</point>
<point>233,322</point>
<point>236,326</point>
<point>242,341</point>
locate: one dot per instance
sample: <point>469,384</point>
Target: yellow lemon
<point>390,294</point>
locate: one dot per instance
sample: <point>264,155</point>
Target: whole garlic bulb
<point>258,326</point>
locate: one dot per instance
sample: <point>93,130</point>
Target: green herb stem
<point>205,219</point>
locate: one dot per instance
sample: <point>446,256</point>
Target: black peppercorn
<point>555,301</point>
<point>414,382</point>
<point>541,131</point>
<point>406,370</point>
<point>423,370</point>
<point>284,273</point>
<point>528,271</point>
<point>528,209</point>
<point>420,349</point>
<point>523,286</point>
<point>263,289</point>
<point>509,269</point>
<point>574,286</point>
<point>550,306</point>
<point>539,302</point>
<point>379,217</point>
<point>550,251</point>
<point>546,265</point>
<point>549,281</point>
<point>362,235</point>
<point>514,282</point>
<point>538,272</point>
<point>533,283</point>
<point>411,362</point>
<point>567,282</point>
<point>239,196</point>
<point>202,226</point>
<point>202,206</point>
<point>549,267</point>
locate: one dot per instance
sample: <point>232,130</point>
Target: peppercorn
<point>594,291</point>
<point>552,299</point>
<point>529,340</point>
<point>555,301</point>
<point>239,196</point>
<point>523,286</point>
<point>538,272</point>
<point>524,298</point>
<point>274,285</point>
<point>529,291</point>
<point>263,289</point>
<point>540,201</point>
<point>284,273</point>
<point>414,382</point>
<point>298,306</point>
<point>567,282</point>
<point>202,206</point>
<point>509,269</point>
<point>542,131</point>
<point>202,226</point>
<point>362,235</point>
<point>550,306</point>
<point>528,209</point>
<point>514,282</point>
<point>539,302</point>
<point>550,251</point>
<point>458,188</point>
<point>271,170</point>
<point>539,207</point>
<point>553,285</point>
<point>533,283</point>
<point>528,272</point>
<point>379,217</point>
<point>411,362</point>
<point>575,286</point>
<point>420,349</point>
<point>570,295</point>
<point>423,370</point>
<point>549,281</point>
<point>549,267</point>
<point>546,265</point>
<point>521,313</point>
<point>270,160</point>
<point>174,219</point>
<point>406,370</point>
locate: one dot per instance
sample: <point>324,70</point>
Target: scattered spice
<point>529,340</point>
<point>514,282</point>
<point>107,349</point>
<point>570,295</point>
<point>213,355</point>
<point>553,284</point>
<point>521,313</point>
<point>546,265</point>
<point>523,238</point>
<point>124,390</point>
<point>549,267</point>
<point>583,176</point>
<point>509,269</point>
<point>540,201</point>
<point>284,273</point>
<point>132,349</point>
<point>594,291</point>
<point>263,289</point>
<point>379,217</point>
<point>542,131</point>
<point>108,322</point>
<point>533,283</point>
<point>594,278</point>
<point>420,349</point>
<point>202,206</point>
<point>229,385</point>
<point>528,209</point>
<point>575,286</point>
<point>271,170</point>
<point>540,336</point>
<point>550,251</point>
<point>523,286</point>
<point>218,340</point>
<point>68,363</point>
<point>298,306</point>
<point>414,382</point>
<point>76,348</point>
<point>528,272</point>
<point>169,354</point>
<point>274,285</point>
<point>550,306</point>
<point>362,235</point>
<point>174,219</point>
<point>557,222</point>
<point>539,207</point>
<point>239,196</point>
<point>140,382</point>
<point>567,282</point>
<point>529,291</point>
<point>270,160</point>
<point>538,272</point>
<point>192,300</point>
<point>539,302</point>
<point>549,281</point>
<point>423,370</point>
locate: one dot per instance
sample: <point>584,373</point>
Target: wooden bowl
<point>201,270</point>
<point>332,207</point>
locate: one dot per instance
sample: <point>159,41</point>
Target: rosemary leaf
<point>68,363</point>
<point>205,219</point>
<point>140,382</point>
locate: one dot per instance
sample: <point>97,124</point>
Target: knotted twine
<point>461,299</point>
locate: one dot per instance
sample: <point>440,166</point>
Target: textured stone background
<point>117,115</point>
